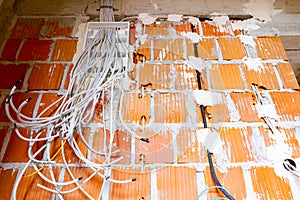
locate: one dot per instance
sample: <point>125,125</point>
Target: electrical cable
<point>207,189</point>
<point>202,107</point>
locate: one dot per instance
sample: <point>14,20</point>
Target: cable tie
<point>145,140</point>
<point>29,99</point>
<point>80,178</point>
<point>134,179</point>
<point>15,126</point>
<point>107,177</point>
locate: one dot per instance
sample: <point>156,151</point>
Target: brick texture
<point>12,73</point>
<point>46,77</point>
<point>35,50</point>
<point>64,50</point>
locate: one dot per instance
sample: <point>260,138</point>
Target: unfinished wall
<point>7,11</point>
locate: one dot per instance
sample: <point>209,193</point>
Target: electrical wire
<point>207,189</point>
<point>202,108</point>
<point>97,72</point>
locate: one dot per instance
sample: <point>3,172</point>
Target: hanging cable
<point>202,108</point>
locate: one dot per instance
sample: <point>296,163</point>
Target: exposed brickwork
<point>46,77</point>
<point>64,50</point>
<point>10,49</point>
<point>269,190</point>
<point>160,106</point>
<point>35,50</point>
<point>12,73</point>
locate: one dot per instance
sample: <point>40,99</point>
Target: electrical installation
<point>95,76</point>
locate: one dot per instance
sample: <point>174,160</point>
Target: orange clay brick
<point>121,142</point>
<point>28,188</point>
<point>156,74</point>
<point>233,180</point>
<point>139,189</point>
<point>266,77</point>
<point>47,100</point>
<point>3,132</point>
<point>231,48</point>
<point>189,149</point>
<point>210,29</point>
<point>7,178</point>
<point>286,105</point>
<point>182,27</point>
<point>28,28</point>
<point>17,149</point>
<point>182,185</point>
<point>11,73</point>
<point>170,108</point>
<point>92,187</point>
<point>287,75</point>
<point>35,50</point>
<point>237,143</point>
<point>58,27</point>
<point>186,77</point>
<point>67,81</point>
<point>270,48</point>
<point>158,150</point>
<point>157,29</point>
<point>219,112</point>
<point>268,185</point>
<point>64,50</point>
<point>10,49</point>
<point>134,107</point>
<point>144,50</point>
<point>70,156</point>
<point>206,49</point>
<point>226,76</point>
<point>291,139</point>
<point>244,103</point>
<point>171,49</point>
<point>17,99</point>
<point>46,77</point>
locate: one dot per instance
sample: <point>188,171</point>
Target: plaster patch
<point>249,24</point>
<point>246,39</point>
<point>278,152</point>
<point>174,18</point>
<point>233,112</point>
<point>258,144</point>
<point>146,18</point>
<point>141,39</point>
<point>254,64</point>
<point>220,21</point>
<point>267,110</point>
<point>194,37</point>
<point>196,63</point>
<point>207,98</point>
<point>194,20</point>
<point>221,157</point>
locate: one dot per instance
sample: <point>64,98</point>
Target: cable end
<point>18,83</point>
<point>145,140</point>
<point>289,164</point>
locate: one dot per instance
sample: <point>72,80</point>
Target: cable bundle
<point>95,76</point>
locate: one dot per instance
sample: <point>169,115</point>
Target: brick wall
<point>173,165</point>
